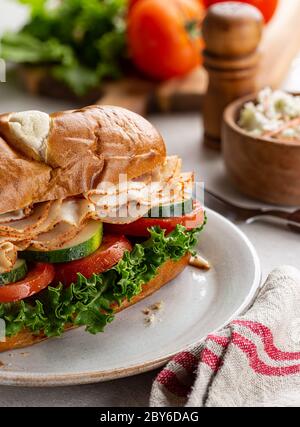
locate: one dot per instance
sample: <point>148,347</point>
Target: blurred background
<point>143,54</point>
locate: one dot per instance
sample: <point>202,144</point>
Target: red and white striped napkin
<point>254,361</point>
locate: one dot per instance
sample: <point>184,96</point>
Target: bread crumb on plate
<point>150,312</point>
<point>157,306</point>
<point>149,320</point>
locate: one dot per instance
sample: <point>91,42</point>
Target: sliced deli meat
<point>75,211</point>
<point>15,215</point>
<point>129,205</point>
<point>50,225</point>
<point>45,216</point>
<point>57,237</point>
<point>28,226</point>
<point>131,200</point>
<point>8,256</point>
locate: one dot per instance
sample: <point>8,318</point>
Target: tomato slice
<point>36,280</point>
<point>139,227</point>
<point>109,254</point>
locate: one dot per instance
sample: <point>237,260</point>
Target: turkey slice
<point>107,193</point>
<point>52,224</point>
<point>130,205</point>
<point>8,256</point>
<point>46,215</point>
<point>171,168</point>
<point>73,216</point>
<point>56,238</point>
<point>15,215</point>
<point>76,211</point>
<point>28,226</point>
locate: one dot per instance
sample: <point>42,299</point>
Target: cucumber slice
<point>84,244</point>
<point>171,210</point>
<point>18,272</point>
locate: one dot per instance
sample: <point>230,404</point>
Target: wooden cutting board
<point>279,46</point>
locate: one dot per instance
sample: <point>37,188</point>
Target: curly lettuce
<point>88,302</point>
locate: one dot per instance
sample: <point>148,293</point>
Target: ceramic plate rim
<point>50,380</point>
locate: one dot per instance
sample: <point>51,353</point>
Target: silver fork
<point>248,215</point>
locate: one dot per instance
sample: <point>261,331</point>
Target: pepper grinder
<point>232,32</point>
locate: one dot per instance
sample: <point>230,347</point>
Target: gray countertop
<point>183,134</point>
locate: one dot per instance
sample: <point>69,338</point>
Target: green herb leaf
<point>24,48</point>
<point>81,42</point>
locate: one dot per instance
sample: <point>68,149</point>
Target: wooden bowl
<point>263,168</point>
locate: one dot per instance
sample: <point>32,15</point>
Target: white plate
<point>196,303</point>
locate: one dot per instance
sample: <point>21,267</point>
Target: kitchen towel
<point>254,361</point>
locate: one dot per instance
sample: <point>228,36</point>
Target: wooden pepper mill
<point>232,32</point>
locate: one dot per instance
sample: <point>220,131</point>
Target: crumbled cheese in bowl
<point>275,114</point>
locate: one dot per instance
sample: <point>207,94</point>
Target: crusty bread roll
<point>168,271</point>
<point>47,157</point>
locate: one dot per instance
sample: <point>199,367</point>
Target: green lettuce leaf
<point>81,42</point>
<point>87,302</point>
<point>24,48</point>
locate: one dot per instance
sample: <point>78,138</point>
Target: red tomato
<point>164,37</point>
<point>267,7</point>
<point>109,254</point>
<point>139,227</point>
<point>36,280</point>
